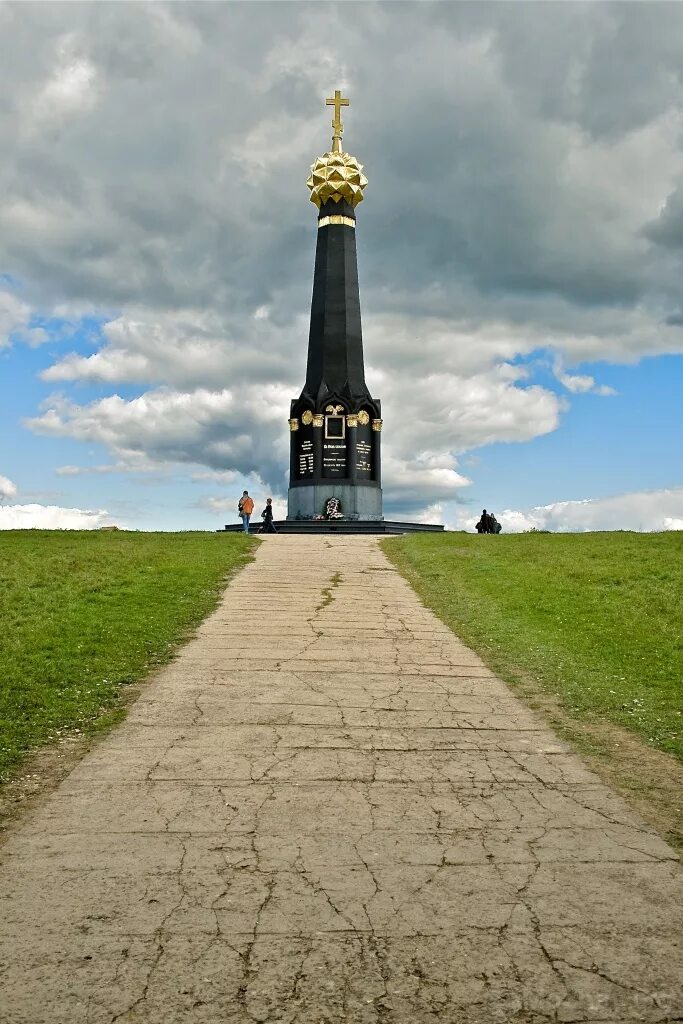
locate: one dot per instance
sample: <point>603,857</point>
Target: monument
<point>335,478</point>
<point>335,423</point>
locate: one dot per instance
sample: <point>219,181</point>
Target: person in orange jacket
<point>245,507</point>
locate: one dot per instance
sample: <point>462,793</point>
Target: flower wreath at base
<point>333,509</point>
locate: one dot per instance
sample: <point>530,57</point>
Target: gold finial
<point>337,127</point>
<point>336,175</point>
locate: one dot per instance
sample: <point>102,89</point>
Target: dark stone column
<point>377,450</point>
<point>293,449</point>
<point>335,343</point>
<point>351,452</point>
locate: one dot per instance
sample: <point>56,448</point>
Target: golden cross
<point>337,102</point>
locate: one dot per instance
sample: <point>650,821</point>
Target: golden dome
<point>336,176</point>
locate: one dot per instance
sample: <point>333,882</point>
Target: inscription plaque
<point>303,466</point>
<point>364,464</point>
<point>334,459</point>
<point>364,452</point>
<point>306,459</point>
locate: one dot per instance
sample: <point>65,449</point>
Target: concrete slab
<point>328,809</point>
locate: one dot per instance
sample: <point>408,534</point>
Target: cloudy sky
<point>520,255</point>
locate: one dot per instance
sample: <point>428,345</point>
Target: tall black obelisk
<point>335,423</point>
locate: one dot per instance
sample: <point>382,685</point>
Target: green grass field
<point>596,619</point>
<point>83,614</point>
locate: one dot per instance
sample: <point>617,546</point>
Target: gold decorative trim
<point>363,418</point>
<point>352,420</point>
<point>377,425</point>
<point>318,419</point>
<point>335,409</point>
<point>293,424</point>
<point>335,219</point>
<point>307,418</point>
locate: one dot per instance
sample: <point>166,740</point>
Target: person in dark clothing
<point>484,524</point>
<point>267,516</point>
<point>488,523</point>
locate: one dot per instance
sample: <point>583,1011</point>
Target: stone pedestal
<point>358,501</point>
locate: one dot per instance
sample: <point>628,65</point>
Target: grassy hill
<point>82,614</point>
<point>593,619</point>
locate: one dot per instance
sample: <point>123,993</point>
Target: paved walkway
<point>327,809</point>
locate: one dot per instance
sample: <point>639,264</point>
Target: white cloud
<point>442,412</point>
<point>51,517</point>
<point>7,488</point>
<point>108,366</point>
<point>581,383</point>
<point>431,514</point>
<point>277,139</point>
<point>134,463</point>
<point>641,511</point>
<point>219,429</point>
<point>218,504</point>
<point>71,85</point>
<point>412,484</point>
<point>185,348</point>
<point>218,476</point>
<point>15,316</point>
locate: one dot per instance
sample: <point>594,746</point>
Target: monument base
<point>367,526</point>
<point>358,501</point>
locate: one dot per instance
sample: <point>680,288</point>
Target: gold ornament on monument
<point>377,425</point>
<point>363,418</point>
<point>352,420</point>
<point>318,419</point>
<point>293,424</point>
<point>307,418</point>
<point>337,175</point>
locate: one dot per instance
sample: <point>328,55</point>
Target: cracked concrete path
<point>327,809</point>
